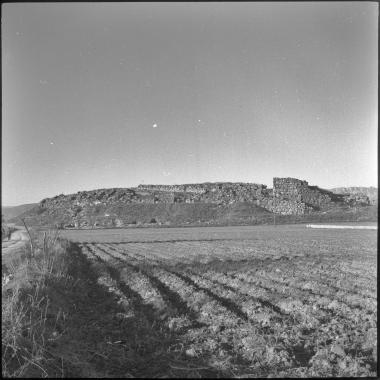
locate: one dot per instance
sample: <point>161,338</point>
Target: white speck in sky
<point>51,143</point>
<point>166,174</point>
<point>155,125</point>
<point>43,81</point>
<point>199,120</point>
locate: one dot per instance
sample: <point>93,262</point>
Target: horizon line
<point>180,184</point>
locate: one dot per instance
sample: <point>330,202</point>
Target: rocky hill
<point>370,192</point>
<point>197,204</point>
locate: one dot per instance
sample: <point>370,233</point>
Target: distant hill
<point>221,203</point>
<point>14,211</point>
<point>370,192</point>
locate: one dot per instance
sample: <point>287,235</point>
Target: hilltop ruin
<point>289,196</point>
<point>225,202</point>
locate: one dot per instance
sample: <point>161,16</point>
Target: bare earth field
<point>250,301</point>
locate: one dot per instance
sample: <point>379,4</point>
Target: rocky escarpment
<point>221,202</point>
<point>357,193</point>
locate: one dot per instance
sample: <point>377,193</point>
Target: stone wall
<point>317,198</point>
<point>219,192</point>
<point>370,192</point>
<point>289,196</point>
<point>358,199</point>
<point>297,197</point>
<point>289,188</point>
<point>286,207</point>
<point>198,188</point>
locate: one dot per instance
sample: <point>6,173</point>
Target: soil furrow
<point>227,303</point>
<point>309,294</point>
<point>152,291</point>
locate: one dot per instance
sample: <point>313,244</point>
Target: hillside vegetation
<point>119,214</point>
<point>10,212</point>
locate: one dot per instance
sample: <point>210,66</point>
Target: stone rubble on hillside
<point>289,196</point>
<point>360,192</point>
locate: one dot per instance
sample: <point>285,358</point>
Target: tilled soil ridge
<point>111,331</point>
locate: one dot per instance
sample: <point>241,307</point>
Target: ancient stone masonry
<point>174,188</point>
<point>357,199</point>
<point>360,194</point>
<point>293,196</point>
<point>289,196</point>
<point>219,192</point>
<point>290,188</point>
<point>286,207</point>
<point>316,197</point>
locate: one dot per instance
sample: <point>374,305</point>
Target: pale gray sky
<point>99,95</point>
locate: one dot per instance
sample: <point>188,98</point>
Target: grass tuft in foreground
<point>28,319</point>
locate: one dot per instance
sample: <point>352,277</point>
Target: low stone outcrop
<point>360,194</point>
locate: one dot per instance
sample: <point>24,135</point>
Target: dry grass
<point>27,323</point>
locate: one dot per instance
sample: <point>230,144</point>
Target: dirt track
<point>17,241</point>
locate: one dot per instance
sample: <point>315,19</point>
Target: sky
<point>100,95</point>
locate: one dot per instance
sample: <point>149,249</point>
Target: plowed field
<point>251,301</point>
